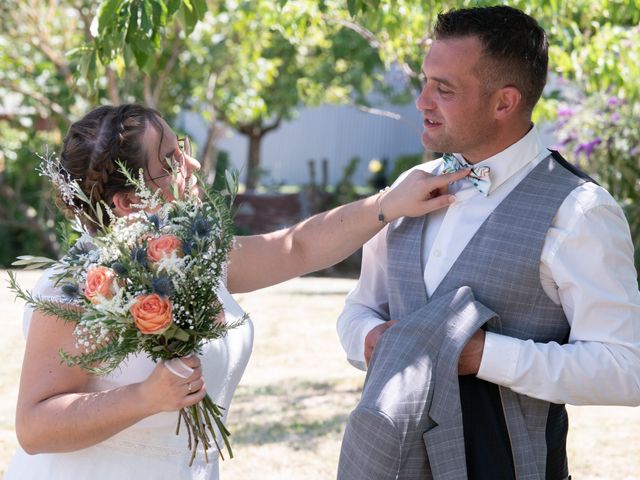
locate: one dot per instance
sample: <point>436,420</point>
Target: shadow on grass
<point>301,413</point>
<point>292,391</point>
<point>322,293</point>
<point>302,435</point>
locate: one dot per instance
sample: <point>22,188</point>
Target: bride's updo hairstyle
<point>95,143</point>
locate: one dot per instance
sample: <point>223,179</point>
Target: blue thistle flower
<point>200,227</point>
<point>70,290</point>
<point>155,220</point>
<point>187,248</point>
<point>119,268</point>
<point>162,286</point>
<point>78,249</point>
<point>139,254</point>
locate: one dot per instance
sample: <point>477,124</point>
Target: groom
<point>536,241</point>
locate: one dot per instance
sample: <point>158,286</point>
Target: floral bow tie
<point>479,176</point>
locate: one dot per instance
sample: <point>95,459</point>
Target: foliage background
<point>251,64</point>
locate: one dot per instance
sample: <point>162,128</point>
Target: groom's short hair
<point>515,47</point>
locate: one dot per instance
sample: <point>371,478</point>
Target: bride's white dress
<point>149,449</point>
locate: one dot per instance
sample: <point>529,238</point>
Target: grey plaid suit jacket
<point>400,409</point>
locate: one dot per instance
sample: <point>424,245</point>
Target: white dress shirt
<point>586,266</point>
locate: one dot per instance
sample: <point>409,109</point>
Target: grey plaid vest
<point>501,265</point>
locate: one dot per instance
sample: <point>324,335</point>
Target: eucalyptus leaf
<point>181,334</point>
<point>29,259</point>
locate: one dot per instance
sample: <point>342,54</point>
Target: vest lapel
<point>407,291</point>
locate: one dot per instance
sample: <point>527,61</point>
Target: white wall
<point>336,133</point>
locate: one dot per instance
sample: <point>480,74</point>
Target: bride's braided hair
<point>95,143</point>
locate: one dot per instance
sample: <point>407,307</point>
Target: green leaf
<point>231,181</point>
<point>24,260</point>
<point>107,14</point>
<point>87,61</point>
<point>146,19</point>
<point>173,6</point>
<point>353,6</point>
<point>181,334</point>
<point>99,215</point>
<point>159,14</point>
<point>200,7</point>
<point>189,15</point>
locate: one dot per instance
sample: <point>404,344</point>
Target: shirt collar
<point>509,161</point>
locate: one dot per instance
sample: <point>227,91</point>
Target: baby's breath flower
<point>67,187</point>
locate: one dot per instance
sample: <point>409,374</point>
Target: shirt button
<point>437,253</point>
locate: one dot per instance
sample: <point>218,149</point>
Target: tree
<point>250,65</point>
<point>37,85</point>
<point>49,77</point>
<point>263,64</point>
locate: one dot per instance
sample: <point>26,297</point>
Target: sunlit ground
<point>292,404</point>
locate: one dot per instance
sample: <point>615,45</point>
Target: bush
<point>345,191</point>
<point>600,134</point>
<point>404,163</point>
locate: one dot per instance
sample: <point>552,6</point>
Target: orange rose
<point>163,246</point>
<point>152,313</point>
<point>99,282</point>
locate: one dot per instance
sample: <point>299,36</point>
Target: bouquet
<point>144,283</point>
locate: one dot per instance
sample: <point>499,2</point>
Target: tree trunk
<point>256,133</point>
<point>253,163</point>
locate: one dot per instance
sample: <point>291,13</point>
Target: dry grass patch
<point>290,409</point>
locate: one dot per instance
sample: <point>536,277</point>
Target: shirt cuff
<point>499,359</point>
<point>356,354</point>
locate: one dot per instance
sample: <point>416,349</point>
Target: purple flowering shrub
<point>600,134</point>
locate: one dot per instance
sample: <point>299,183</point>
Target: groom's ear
<point>508,101</point>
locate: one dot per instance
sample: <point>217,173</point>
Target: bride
<point>73,425</point>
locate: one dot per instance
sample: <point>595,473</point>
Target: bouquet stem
<point>197,419</point>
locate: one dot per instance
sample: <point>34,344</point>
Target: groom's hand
<point>373,337</point>
<point>471,356</point>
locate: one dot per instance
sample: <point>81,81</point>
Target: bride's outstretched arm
<point>326,238</point>
<point>59,409</point>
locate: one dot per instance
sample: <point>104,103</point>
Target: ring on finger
<point>189,387</point>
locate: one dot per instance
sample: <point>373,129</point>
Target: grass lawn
<point>290,409</point>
